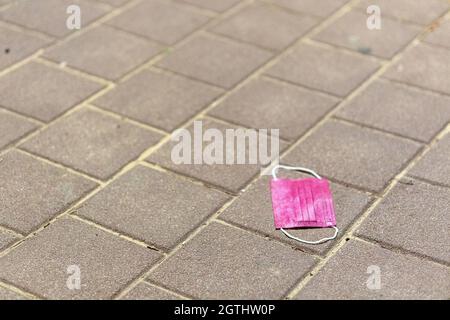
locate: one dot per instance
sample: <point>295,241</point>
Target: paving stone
<point>328,70</point>
<point>152,206</point>
<point>347,274</point>
<point>13,127</point>
<point>266,26</point>
<point>92,142</point>
<point>435,165</point>
<point>49,91</point>
<point>358,156</point>
<point>210,267</point>
<point>105,52</point>
<point>253,210</point>
<point>145,291</point>
<point>159,99</point>
<point>53,22</point>
<point>106,262</point>
<point>15,46</point>
<point>32,192</point>
<point>115,3</point>
<point>411,217</point>
<point>232,177</point>
<point>321,8</point>
<point>267,104</point>
<point>6,238</point>
<point>218,61</point>
<point>6,294</point>
<point>439,36</point>
<point>424,66</point>
<point>399,109</point>
<point>422,12</point>
<point>350,31</point>
<point>215,5</point>
<point>160,20</point>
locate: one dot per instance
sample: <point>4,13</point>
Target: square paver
<point>13,127</point>
<point>218,61</point>
<point>232,176</point>
<point>54,15</point>
<point>350,275</point>
<point>351,154</point>
<point>105,52</point>
<point>435,165</point>
<point>424,66</point>
<point>253,210</point>
<point>6,238</point>
<point>322,8</point>
<point>266,26</point>
<point>44,263</point>
<point>400,109</point>
<point>210,267</point>
<point>32,192</point>
<point>350,31</point>
<point>264,103</point>
<point>15,46</point>
<point>328,70</point>
<point>152,206</point>
<point>160,99</point>
<point>421,12</point>
<point>412,217</point>
<point>439,35</point>
<point>215,5</point>
<point>145,291</point>
<point>6,294</point>
<point>92,142</point>
<point>43,92</point>
<point>160,20</point>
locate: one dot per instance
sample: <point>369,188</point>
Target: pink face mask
<point>300,203</point>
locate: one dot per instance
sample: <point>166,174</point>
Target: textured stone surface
<point>267,104</point>
<point>53,23</point>
<point>145,291</point>
<point>15,46</point>
<point>115,3</point>
<point>346,275</point>
<point>352,154</point>
<point>6,238</point>
<point>106,262</point>
<point>159,99</point>
<point>32,191</point>
<point>160,20</point>
<point>209,266</point>
<point>253,210</point>
<point>6,294</point>
<point>232,177</point>
<point>422,12</point>
<point>92,142</point>
<point>424,66</point>
<point>218,61</point>
<point>48,91</point>
<point>440,34</point>
<point>13,127</point>
<point>152,206</point>
<point>105,52</point>
<point>265,26</point>
<point>320,8</point>
<point>329,70</point>
<point>350,31</point>
<point>399,109</point>
<point>435,165</point>
<point>412,217</point>
<point>215,5</point>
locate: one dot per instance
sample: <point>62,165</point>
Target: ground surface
<point>87,187</point>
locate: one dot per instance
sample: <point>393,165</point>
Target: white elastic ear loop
<point>311,172</point>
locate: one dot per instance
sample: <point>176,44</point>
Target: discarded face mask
<point>302,203</point>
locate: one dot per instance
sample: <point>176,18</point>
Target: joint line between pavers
<point>19,291</point>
